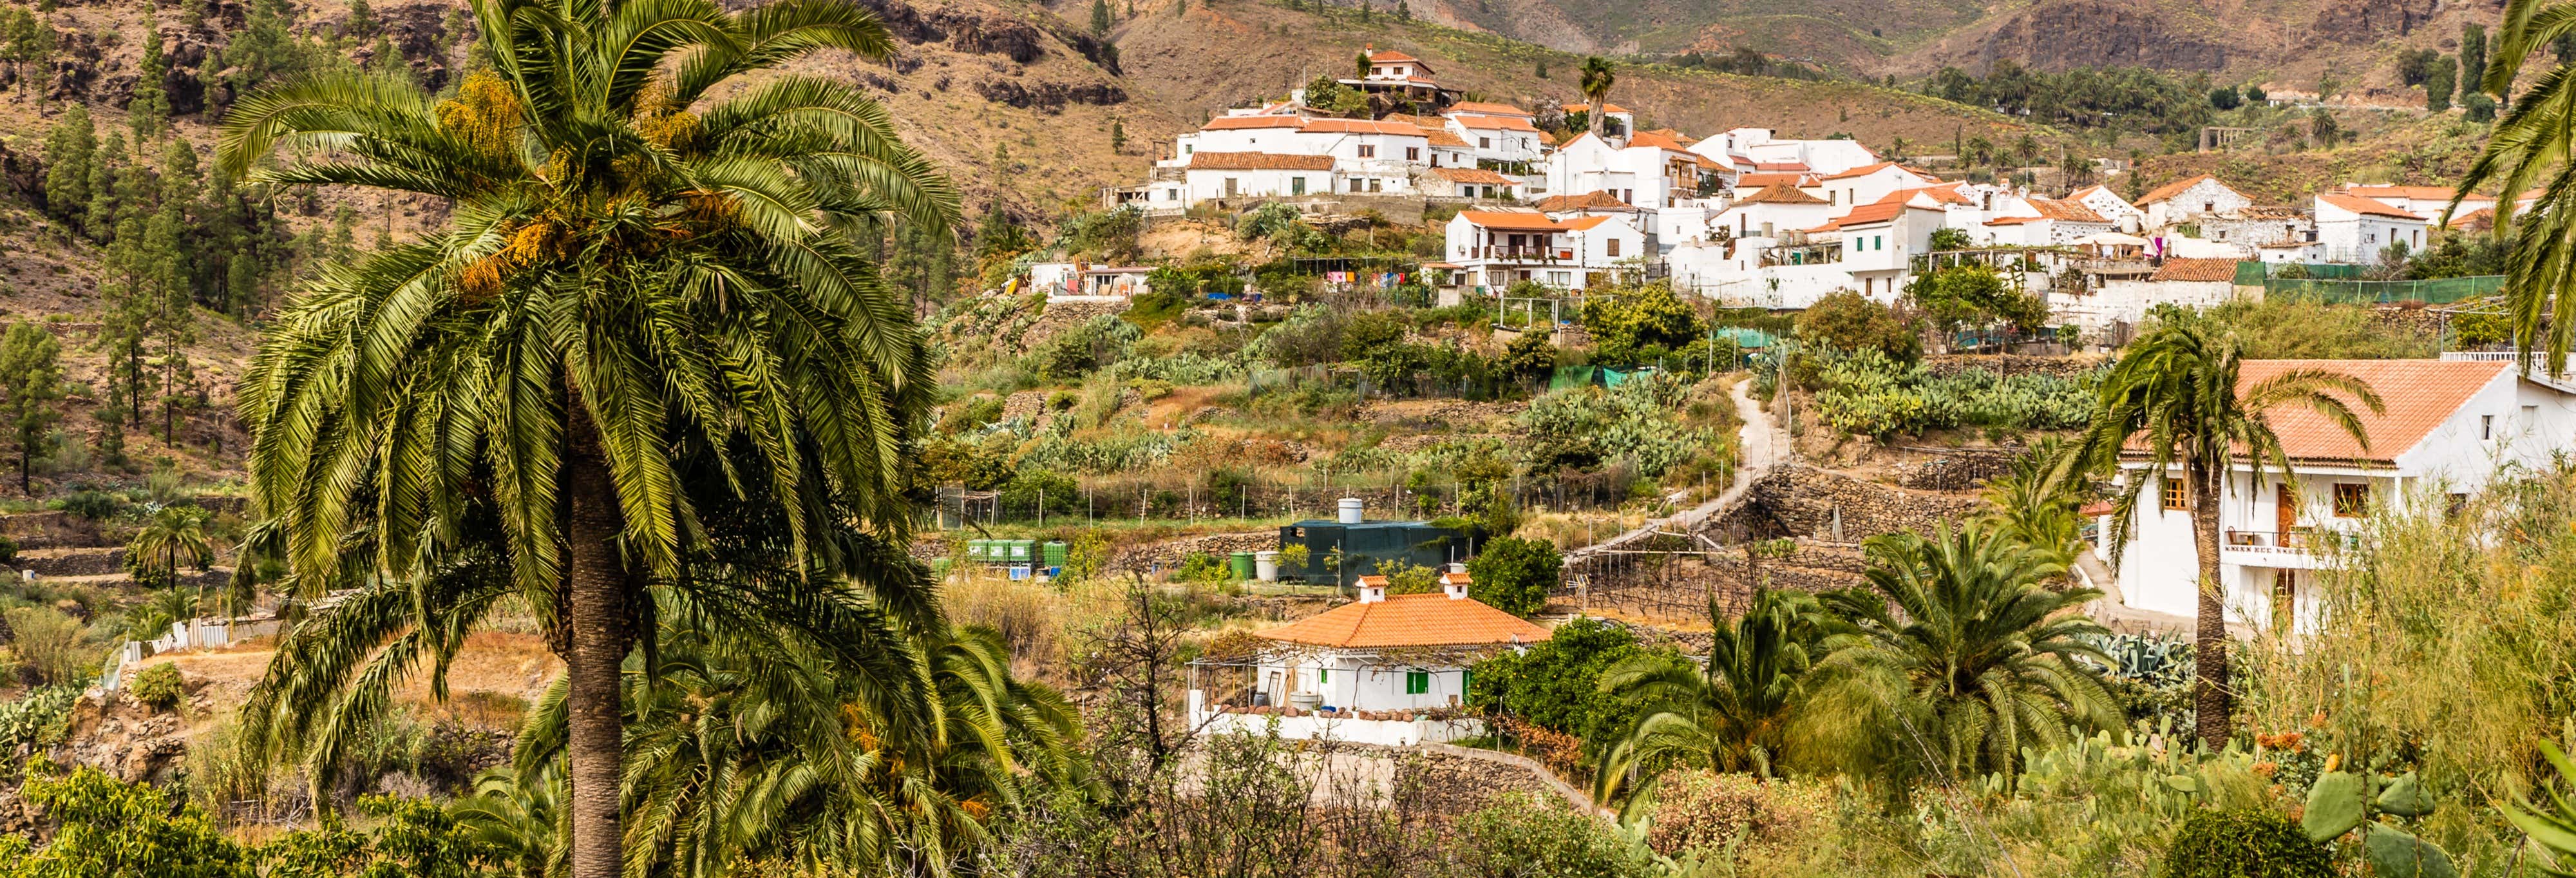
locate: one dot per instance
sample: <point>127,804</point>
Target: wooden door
<point>2285,513</point>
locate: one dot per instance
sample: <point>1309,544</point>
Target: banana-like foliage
<point>742,752</point>
<point>1731,714</point>
<point>2528,152</point>
<point>1986,651</point>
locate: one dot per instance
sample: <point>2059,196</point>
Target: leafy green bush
<point>1556,685</point>
<point>1639,325</point>
<point>91,503</point>
<point>1866,393</point>
<point>1098,342</point>
<point>1515,575</point>
<point>159,686</point>
<point>110,829</point>
<point>1522,836</point>
<point>1033,487</point>
<point>1849,321</point>
<point>1637,421</point>
<point>2244,843</point>
<point>33,722</point>
<point>53,645</point>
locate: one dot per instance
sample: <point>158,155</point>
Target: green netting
<point>1745,337</point>
<point>2250,274</point>
<point>2444,291</point>
<point>2324,270</point>
<point>1572,376</point>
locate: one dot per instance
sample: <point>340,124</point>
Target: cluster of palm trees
<point>1967,646</point>
<point>647,388</point>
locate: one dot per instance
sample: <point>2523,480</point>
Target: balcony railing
<point>1519,253</point>
<point>2300,541</point>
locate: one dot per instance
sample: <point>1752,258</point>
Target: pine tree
<point>2439,83</point>
<point>1100,18</point>
<point>30,42</point>
<point>69,149</point>
<point>31,388</point>
<point>106,167</point>
<point>1117,136</point>
<point>362,20</point>
<point>1402,11</point>
<point>2473,58</point>
<point>173,317</point>
<point>1542,68</point>
<point>149,109</point>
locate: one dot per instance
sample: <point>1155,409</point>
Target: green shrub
<point>92,504</point>
<point>1556,684</point>
<point>159,686</point>
<point>1515,575</point>
<point>1866,393</point>
<point>52,645</point>
<point>110,828</point>
<point>2244,843</point>
<point>1849,321</point>
<point>1522,836</point>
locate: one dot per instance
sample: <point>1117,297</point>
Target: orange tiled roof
<point>1474,175</point>
<point>2176,187</point>
<point>1442,137</point>
<point>1773,179</point>
<point>2481,218</point>
<point>1779,195</point>
<point>1361,126</point>
<point>1866,170</point>
<point>2428,193</point>
<point>1593,200</point>
<point>1875,212</point>
<point>2195,270</point>
<point>1390,56</point>
<point>1606,108</point>
<point>1526,222</point>
<point>1946,193</point>
<point>1657,140</point>
<point>2065,211</point>
<point>2364,206</point>
<point>1781,166</point>
<point>1488,108</point>
<point>1225,123</point>
<point>1672,135</point>
<point>1413,120</point>
<point>1258,161</point>
<point>2418,395</point>
<point>1584,223</point>
<point>1410,620</point>
<point>1506,123</point>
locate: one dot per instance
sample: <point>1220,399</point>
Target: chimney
<point>1372,592</point>
<point>1454,582</point>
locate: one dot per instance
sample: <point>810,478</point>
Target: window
<point>2173,493</point>
<point>1229,187</point>
<point>1417,682</point>
<point>2351,499</point>
<point>1368,151</point>
<point>1413,153</point>
<point>1878,242</point>
<point>2486,426</point>
<point>1466,680</point>
<point>2530,416</point>
<point>1186,148</point>
<point>1377,185</point>
<point>1323,675</point>
<point>1296,185</point>
<point>1484,143</point>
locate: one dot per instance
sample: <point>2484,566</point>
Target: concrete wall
<point>1388,733</point>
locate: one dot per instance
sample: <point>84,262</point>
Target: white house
<point>2424,201</point>
<point>1509,139</point>
<point>1870,183</point>
<point>2189,199</point>
<point>2449,426</point>
<point>1475,183</point>
<point>2193,283</point>
<point>2353,229</point>
<point>1603,242</point>
<point>1257,175</point>
<point>1878,242</point>
<point>2043,222</point>
<point>1387,669</point>
<point>2101,200</point>
<point>1765,212</point>
<point>1752,150</point>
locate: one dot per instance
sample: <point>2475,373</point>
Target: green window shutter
<point>1323,675</point>
<point>1417,682</point>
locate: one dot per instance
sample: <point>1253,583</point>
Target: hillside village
<point>852,438</point>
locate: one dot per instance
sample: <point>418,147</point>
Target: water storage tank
<point>1350,510</point>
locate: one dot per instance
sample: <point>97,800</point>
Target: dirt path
<point>1759,445</point>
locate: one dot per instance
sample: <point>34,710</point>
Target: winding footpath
<point>1760,444</point>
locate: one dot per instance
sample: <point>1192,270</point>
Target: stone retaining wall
<point>1169,554</point>
<point>2011,364</point>
<point>1805,501</point>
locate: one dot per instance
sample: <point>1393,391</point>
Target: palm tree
<point>169,535</point>
<point>2529,150</point>
<point>2179,398</point>
<point>2038,500</point>
<point>747,754</point>
<point>1596,82</point>
<point>1985,650</point>
<point>647,299</point>
<point>1731,714</point>
<point>520,815</point>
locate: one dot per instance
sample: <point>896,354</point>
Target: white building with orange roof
<point>2042,222</point>
<point>2423,201</point>
<point>2356,230</point>
<point>1497,248</point>
<point>2449,426</point>
<point>1870,183</point>
<point>2101,200</point>
<point>1509,139</point>
<point>1386,669</point>
<point>1229,175</point>
<point>1757,149</point>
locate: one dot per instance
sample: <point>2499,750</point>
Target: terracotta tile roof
<point>2427,193</point>
<point>2080,194</point>
<point>1946,193</point>
<point>1606,108</point>
<point>1866,170</point>
<point>1390,56</point>
<point>2176,268</point>
<point>1672,135</point>
<point>2481,219</point>
<point>1659,141</point>
<point>1488,108</point>
<point>1781,166</point>
<point>1779,195</point>
<point>1474,175</point>
<point>1227,123</point>
<point>1442,137</point>
<point>1546,138</point>
<point>1456,577</point>
<point>1774,179</point>
<point>1863,215</point>
<point>1506,123</point>
<point>2176,187</point>
<point>2364,206</point>
<point>1410,620</point>
<point>1593,200</point>
<point>1525,222</point>
<point>1584,223</point>
<point>1413,120</point>
<point>2418,394</point>
<point>1361,126</point>
<point>2065,211</point>
<point>2015,220</point>
<point>1258,161</point>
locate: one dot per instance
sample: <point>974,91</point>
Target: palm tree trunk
<point>2210,700</point>
<point>595,589</point>
<point>1593,119</point>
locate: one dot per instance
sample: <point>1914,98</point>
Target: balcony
<point>1510,253</point>
<point>2297,548</point>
